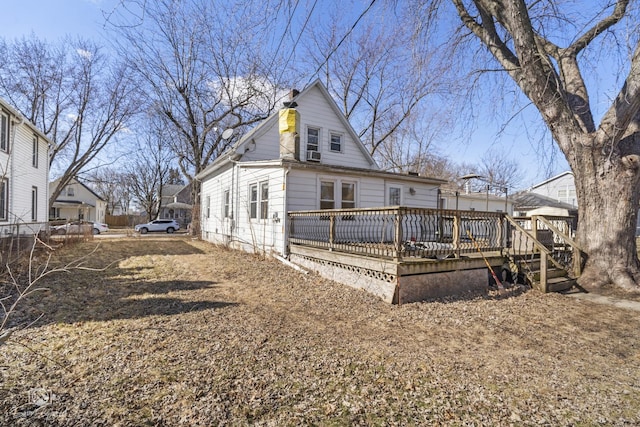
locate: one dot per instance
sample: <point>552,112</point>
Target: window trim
<point>390,187</point>
<point>258,207</point>
<point>253,204</point>
<point>4,199</point>
<point>337,192</point>
<point>318,143</point>
<point>35,151</point>
<point>226,206</point>
<point>34,204</point>
<point>5,120</point>
<point>264,202</point>
<point>340,143</point>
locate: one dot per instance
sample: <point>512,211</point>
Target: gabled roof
<point>22,120</point>
<point>170,190</point>
<point>272,120</point>
<point>552,179</point>
<point>527,200</point>
<point>55,183</point>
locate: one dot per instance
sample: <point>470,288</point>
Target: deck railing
<point>399,232</point>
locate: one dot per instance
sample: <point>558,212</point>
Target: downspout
<point>285,214</point>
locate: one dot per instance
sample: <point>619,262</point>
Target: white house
<point>304,157</point>
<point>24,171</point>
<point>561,187</point>
<point>77,202</point>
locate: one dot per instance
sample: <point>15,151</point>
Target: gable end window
<point>34,160</point>
<point>4,131</point>
<point>70,191</point>
<point>335,144</point>
<point>313,139</point>
<point>4,200</point>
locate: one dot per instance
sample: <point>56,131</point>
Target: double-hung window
<point>4,200</point>
<point>70,191</point>
<point>327,196</point>
<point>259,200</point>
<point>34,204</point>
<point>395,196</point>
<point>264,200</point>
<point>225,204</point>
<point>4,131</point>
<point>208,206</point>
<point>253,201</point>
<point>344,197</point>
<point>34,151</point>
<point>348,195</point>
<point>313,139</point>
<point>335,142</point>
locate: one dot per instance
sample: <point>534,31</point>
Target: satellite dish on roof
<point>228,133</point>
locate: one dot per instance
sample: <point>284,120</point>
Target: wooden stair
<point>558,280</point>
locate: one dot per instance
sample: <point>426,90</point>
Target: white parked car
<point>167,225</point>
<point>81,227</point>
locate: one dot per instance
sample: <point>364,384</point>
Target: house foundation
<point>399,282</point>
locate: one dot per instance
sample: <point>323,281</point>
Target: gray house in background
<point>558,192</point>
<point>176,204</point>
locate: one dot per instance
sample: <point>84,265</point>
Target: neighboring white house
<point>24,170</point>
<point>304,157</point>
<point>476,201</point>
<point>561,187</point>
<point>77,202</point>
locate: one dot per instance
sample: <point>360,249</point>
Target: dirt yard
<point>179,332</point>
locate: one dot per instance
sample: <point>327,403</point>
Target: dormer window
<point>313,139</point>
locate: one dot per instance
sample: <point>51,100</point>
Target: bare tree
<point>544,47</point>
<point>107,183</point>
<point>381,79</point>
<point>204,73</point>
<point>72,92</point>
<point>147,174</point>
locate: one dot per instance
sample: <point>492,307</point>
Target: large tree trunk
<point>608,199</point>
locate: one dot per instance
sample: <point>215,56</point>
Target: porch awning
<point>71,203</point>
<point>179,205</point>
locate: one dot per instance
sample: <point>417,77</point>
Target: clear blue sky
<point>53,19</point>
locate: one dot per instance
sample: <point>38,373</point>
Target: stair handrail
<point>545,254</point>
<point>576,249</point>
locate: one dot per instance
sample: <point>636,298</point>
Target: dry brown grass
<point>179,332</point>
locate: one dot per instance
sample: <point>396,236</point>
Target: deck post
<point>332,230</point>
<point>398,234</point>
<point>456,234</point>
<point>544,286</point>
<point>534,226</point>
